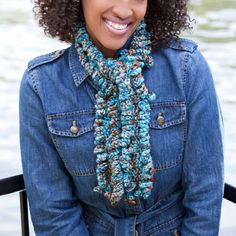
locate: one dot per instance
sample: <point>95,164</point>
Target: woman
<point>121,133</point>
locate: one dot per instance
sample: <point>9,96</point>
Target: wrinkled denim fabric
<point>59,165</point>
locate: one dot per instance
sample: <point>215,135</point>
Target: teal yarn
<point>124,163</point>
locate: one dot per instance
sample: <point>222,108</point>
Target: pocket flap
<point>166,114</point>
<point>61,123</point>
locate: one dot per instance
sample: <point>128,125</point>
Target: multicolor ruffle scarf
<point>124,164</point>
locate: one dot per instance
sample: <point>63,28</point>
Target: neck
<point>108,53</point>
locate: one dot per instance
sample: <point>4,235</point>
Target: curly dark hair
<point>165,19</point>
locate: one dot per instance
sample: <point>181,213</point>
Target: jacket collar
<point>79,74</point>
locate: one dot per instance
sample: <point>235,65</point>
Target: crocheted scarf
<point>124,164</point>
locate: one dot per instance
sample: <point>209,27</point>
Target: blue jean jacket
<point>59,166</point>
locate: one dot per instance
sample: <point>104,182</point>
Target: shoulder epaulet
<point>43,59</point>
<point>184,45</point>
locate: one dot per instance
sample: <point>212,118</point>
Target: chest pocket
<point>167,133</point>
<point>73,135</point>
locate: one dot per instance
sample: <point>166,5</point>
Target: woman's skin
<point>111,22</point>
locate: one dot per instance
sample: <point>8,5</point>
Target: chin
<point>114,46</point>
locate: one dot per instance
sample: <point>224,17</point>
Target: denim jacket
<point>59,165</point>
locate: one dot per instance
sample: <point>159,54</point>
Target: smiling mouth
<point>116,26</point>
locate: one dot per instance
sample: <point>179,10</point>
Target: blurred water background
<point>21,40</point>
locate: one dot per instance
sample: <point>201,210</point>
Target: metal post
<point>24,213</point>
<point>230,193</point>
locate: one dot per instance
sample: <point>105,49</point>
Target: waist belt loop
<point>125,226</point>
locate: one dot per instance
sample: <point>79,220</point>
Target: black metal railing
<point>16,184</point>
<point>230,193</point>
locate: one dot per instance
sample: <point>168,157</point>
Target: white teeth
<point>116,26</point>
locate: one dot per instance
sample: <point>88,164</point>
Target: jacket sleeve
<point>202,180</point>
<point>54,208</point>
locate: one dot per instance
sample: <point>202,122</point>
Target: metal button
<point>176,233</point>
<point>74,128</point>
<point>160,118</point>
